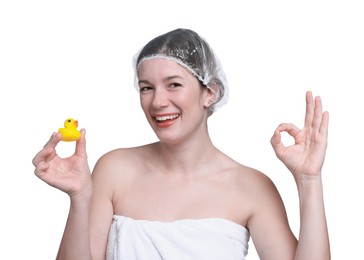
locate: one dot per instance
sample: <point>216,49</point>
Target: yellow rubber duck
<point>70,132</point>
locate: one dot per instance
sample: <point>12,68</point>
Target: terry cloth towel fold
<point>197,239</point>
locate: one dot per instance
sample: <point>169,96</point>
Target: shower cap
<point>192,52</point>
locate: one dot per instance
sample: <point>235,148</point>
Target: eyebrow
<point>165,79</point>
<point>143,81</point>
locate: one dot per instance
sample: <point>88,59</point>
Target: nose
<point>160,98</point>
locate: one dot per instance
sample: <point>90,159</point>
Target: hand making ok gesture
<point>306,156</point>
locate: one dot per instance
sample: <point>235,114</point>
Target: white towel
<point>209,238</point>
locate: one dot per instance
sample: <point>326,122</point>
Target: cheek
<point>188,102</point>
<point>193,98</point>
<point>144,101</point>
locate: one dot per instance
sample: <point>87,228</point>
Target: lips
<point>166,120</point>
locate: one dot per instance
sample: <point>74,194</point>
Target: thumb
<point>277,144</point>
<point>81,144</point>
<point>276,140</point>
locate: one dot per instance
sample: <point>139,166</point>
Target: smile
<point>166,117</point>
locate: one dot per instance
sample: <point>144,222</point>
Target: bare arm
<point>305,160</point>
<point>72,176</point>
<point>75,242</point>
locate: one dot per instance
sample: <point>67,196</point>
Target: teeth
<point>169,117</point>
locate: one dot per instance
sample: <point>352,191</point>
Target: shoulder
<point>266,219</point>
<point>251,184</point>
<point>121,162</point>
<point>249,181</point>
<point>255,185</point>
<point>254,180</point>
<point>247,178</point>
<point>264,200</point>
<point>124,156</point>
<point>256,189</point>
<point>252,192</point>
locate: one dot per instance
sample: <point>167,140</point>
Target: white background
<point>62,59</point>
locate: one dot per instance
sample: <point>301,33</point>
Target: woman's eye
<point>174,85</point>
<point>143,89</point>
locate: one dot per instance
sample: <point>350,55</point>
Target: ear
<point>211,95</point>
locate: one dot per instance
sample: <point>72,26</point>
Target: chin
<point>170,138</point>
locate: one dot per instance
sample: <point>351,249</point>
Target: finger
<point>317,113</point>
<point>42,156</point>
<point>41,168</point>
<point>276,141</point>
<point>310,108</point>
<point>324,127</point>
<point>49,150</point>
<point>81,144</point>
<point>291,129</point>
<point>53,140</point>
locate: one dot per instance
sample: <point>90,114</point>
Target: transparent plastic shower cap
<point>190,51</point>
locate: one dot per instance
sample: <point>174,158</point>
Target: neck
<point>188,157</point>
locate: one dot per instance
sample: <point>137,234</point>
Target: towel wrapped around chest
<point>209,238</point>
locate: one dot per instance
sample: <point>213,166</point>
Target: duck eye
<point>69,121</point>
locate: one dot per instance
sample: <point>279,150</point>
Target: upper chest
<point>164,198</point>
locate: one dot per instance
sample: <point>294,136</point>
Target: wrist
<point>82,196</point>
<point>307,179</point>
<point>309,184</point>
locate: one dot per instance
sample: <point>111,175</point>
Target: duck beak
<point>76,123</point>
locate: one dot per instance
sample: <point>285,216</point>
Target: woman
<point>181,197</point>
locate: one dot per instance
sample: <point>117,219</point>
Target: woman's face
<point>172,99</point>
